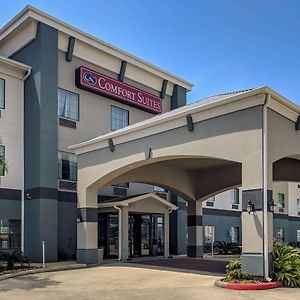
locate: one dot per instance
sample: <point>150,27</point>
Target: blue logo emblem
<point>90,78</point>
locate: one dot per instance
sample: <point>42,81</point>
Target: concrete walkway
<point>127,282</point>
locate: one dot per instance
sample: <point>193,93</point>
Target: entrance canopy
<point>244,138</point>
<point>144,203</point>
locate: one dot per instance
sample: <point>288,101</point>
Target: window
<point>119,118</point>
<point>209,232</point>
<point>210,201</point>
<point>281,201</point>
<point>159,189</point>
<point>234,196</point>
<point>68,105</point>
<point>67,166</point>
<point>122,185</point>
<point>280,234</point>
<point>298,206</point>
<point>2,93</point>
<point>10,234</point>
<point>2,156</point>
<point>234,234</point>
<point>298,235</point>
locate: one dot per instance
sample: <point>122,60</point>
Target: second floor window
<point>119,118</point>
<point>68,105</point>
<point>234,195</point>
<point>2,93</point>
<point>2,156</point>
<point>281,201</point>
<point>67,166</point>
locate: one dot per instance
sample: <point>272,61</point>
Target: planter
<point>249,286</point>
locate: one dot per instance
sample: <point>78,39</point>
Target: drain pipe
<point>265,189</point>
<point>120,231</point>
<point>23,165</point>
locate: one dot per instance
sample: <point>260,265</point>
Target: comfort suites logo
<point>89,78</point>
<point>100,84</point>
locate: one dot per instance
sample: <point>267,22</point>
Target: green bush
<point>286,264</point>
<point>234,272</point>
<point>227,248</point>
<point>11,259</point>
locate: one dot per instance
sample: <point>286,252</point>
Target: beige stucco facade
<point>225,149</point>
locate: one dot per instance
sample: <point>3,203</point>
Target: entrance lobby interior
<point>145,234</point>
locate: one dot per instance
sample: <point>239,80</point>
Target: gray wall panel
<point>67,238</point>
<point>41,137</point>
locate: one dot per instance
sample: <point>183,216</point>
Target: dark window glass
<point>10,234</point>
<point>2,93</point>
<point>119,118</point>
<point>68,104</point>
<point>2,156</point>
<point>67,166</point>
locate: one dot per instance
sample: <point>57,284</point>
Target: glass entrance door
<point>145,235</point>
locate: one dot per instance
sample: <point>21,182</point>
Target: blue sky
<point>219,45</point>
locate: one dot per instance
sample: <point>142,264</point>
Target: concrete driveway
<point>127,282</point>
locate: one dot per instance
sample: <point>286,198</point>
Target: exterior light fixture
<point>79,219</point>
<point>271,206</point>
<point>250,207</point>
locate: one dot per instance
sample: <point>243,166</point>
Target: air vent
<point>162,195</point>
<point>67,185</point>
<point>235,206</point>
<point>67,123</point>
<point>210,203</point>
<point>120,191</point>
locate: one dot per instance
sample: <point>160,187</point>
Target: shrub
<point>234,272</point>
<point>286,264</point>
<point>11,259</point>
<point>226,248</point>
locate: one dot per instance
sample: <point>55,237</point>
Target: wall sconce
<point>79,219</point>
<point>250,207</point>
<point>271,206</point>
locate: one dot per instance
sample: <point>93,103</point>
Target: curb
<point>42,270</point>
<point>248,286</point>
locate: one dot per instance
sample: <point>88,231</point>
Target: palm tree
<point>3,163</point>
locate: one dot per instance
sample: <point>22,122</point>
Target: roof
<point>291,110</point>
<point>30,12</point>
<point>126,201</point>
<point>16,65</point>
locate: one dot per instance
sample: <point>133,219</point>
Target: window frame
<point>58,171</point>
<point>4,92</point>
<point>2,174</point>
<point>11,234</point>
<point>78,104</point>
<point>111,119</point>
<point>279,204</point>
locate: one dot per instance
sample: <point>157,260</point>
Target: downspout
<point>265,189</point>
<point>120,231</point>
<point>23,164</point>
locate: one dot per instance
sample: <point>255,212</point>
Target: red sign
<point>97,83</point>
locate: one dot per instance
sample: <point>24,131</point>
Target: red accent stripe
<point>254,286</point>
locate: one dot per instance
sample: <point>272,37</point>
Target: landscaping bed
<point>249,285</point>
<point>286,271</point>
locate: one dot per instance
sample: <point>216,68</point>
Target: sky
<point>218,45</point>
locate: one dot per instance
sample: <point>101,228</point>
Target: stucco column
<point>87,228</point>
<point>195,235</point>
<point>252,232</point>
<point>124,233</point>
<point>166,234</point>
